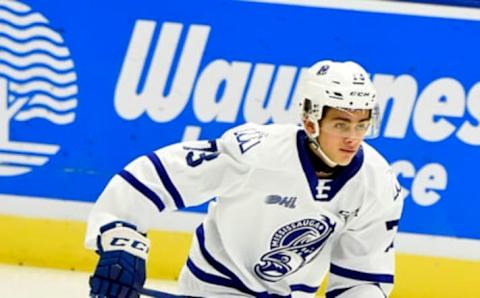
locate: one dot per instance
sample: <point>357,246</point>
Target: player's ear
<point>309,126</point>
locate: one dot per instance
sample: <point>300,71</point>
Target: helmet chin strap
<point>315,145</point>
<point>317,149</point>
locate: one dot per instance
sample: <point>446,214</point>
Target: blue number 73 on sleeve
<point>206,150</point>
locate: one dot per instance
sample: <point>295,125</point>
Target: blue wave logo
<point>37,80</point>
<point>292,246</point>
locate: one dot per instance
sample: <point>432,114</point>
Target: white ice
<point>31,282</point>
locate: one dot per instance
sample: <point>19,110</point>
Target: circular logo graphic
<point>292,246</point>
<point>37,81</point>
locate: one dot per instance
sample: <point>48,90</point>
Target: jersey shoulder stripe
<point>167,182</point>
<point>139,186</point>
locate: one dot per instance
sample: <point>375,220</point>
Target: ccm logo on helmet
<point>360,94</point>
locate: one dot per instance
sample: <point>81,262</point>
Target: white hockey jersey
<point>274,229</point>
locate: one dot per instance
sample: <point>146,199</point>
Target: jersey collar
<point>330,186</point>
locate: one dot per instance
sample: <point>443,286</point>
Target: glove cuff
<point>120,237</point>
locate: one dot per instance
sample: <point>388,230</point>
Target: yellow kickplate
<point>433,277</point>
<point>59,244</point>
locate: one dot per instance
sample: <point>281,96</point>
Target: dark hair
<point>325,110</point>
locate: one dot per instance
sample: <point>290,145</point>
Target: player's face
<point>342,132</point>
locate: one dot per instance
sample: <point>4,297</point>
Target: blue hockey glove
<point>120,270</point>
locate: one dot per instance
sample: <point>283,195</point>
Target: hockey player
<point>292,203</point>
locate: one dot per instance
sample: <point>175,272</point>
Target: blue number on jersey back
<point>196,156</point>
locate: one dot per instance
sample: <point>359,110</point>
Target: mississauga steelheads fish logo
<point>292,246</point>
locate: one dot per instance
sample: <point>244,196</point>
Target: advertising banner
<point>86,86</point>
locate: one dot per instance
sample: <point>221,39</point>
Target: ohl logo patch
<point>292,246</point>
<point>37,86</point>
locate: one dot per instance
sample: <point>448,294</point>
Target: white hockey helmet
<point>340,85</point>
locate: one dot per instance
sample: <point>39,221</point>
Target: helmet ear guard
<point>340,85</point>
<point>309,115</point>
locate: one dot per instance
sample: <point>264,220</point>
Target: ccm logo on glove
<point>135,244</point>
<point>125,239</point>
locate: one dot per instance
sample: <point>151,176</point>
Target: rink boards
<point>51,235</point>
<point>83,91</point>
